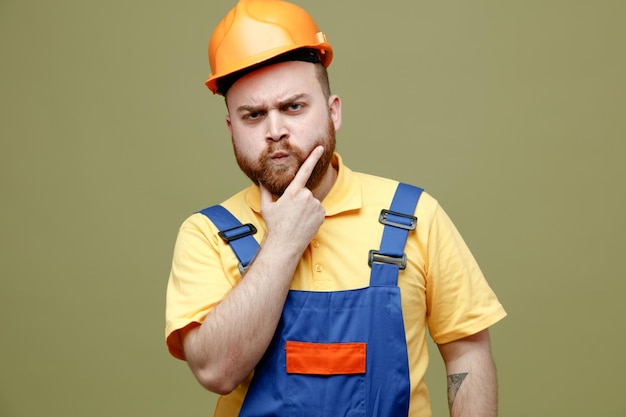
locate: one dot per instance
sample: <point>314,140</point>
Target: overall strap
<point>398,221</point>
<point>237,235</point>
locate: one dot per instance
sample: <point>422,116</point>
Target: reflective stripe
<point>325,358</point>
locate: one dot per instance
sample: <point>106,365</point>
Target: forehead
<point>274,83</point>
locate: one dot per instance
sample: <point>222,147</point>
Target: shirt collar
<point>345,194</point>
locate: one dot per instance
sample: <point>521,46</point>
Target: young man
<point>323,310</point>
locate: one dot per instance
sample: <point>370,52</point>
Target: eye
<point>253,115</point>
<point>293,107</point>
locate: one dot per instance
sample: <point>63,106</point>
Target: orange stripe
<point>325,358</point>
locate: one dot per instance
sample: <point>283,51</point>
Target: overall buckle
<point>237,232</point>
<point>377,257</point>
<point>387,215</point>
<point>242,269</point>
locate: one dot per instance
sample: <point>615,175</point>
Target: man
<point>313,299</point>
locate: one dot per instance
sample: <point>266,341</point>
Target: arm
<point>472,386</point>
<point>225,348</point>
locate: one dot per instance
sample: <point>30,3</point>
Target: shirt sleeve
<point>199,278</point>
<point>460,302</point>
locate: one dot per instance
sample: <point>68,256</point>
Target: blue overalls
<point>340,353</point>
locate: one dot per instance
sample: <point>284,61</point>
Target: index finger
<point>303,174</point>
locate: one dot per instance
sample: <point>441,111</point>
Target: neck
<point>323,188</point>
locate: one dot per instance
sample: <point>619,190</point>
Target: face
<point>277,116</point>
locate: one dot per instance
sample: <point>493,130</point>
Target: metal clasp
<point>237,232</point>
<point>393,218</point>
<point>242,269</point>
<point>376,257</point>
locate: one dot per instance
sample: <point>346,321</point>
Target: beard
<point>277,177</point>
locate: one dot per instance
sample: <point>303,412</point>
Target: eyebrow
<point>246,108</point>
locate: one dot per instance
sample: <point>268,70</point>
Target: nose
<point>276,127</point>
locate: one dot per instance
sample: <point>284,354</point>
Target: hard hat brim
<point>325,55</point>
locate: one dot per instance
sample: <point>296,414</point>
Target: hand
<point>297,214</point>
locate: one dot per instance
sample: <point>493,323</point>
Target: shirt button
<point>315,244</point>
<point>318,268</point>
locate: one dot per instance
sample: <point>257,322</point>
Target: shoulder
<point>377,189</point>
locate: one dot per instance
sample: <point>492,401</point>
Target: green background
<point>511,113</point>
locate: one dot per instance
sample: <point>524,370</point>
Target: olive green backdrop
<point>512,114</point>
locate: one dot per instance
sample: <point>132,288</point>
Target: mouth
<point>280,157</point>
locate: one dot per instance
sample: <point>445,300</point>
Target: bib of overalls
<point>341,353</point>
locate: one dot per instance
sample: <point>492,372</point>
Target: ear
<point>334,108</point>
<point>229,125</point>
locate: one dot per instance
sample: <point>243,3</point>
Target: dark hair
<point>303,54</point>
